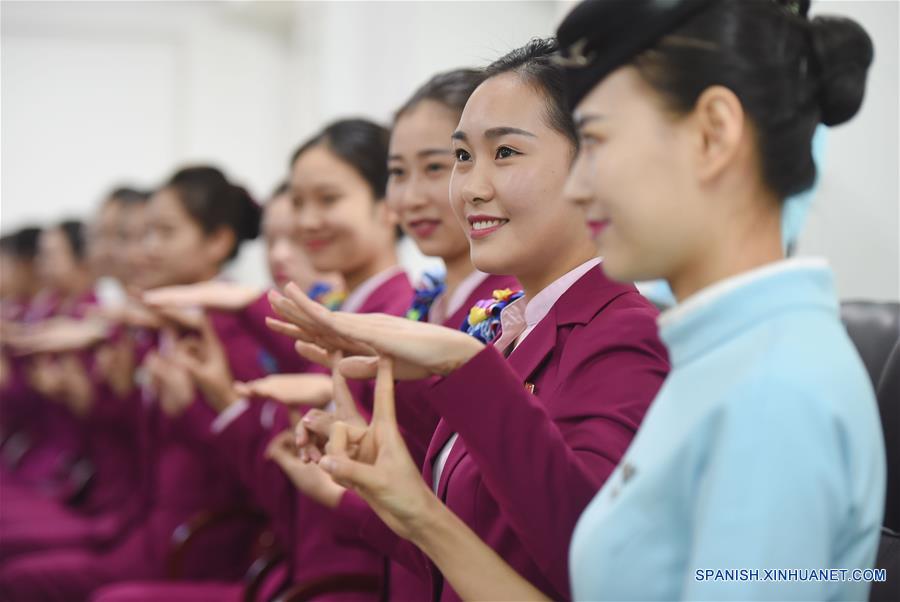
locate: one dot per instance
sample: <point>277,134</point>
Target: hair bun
<point>843,52</point>
<point>250,213</point>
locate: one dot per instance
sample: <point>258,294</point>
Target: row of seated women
<point>525,425</point>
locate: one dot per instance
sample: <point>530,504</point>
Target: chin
<point>619,268</point>
<point>490,262</point>
<point>431,247</point>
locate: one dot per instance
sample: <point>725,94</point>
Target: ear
<point>219,244</point>
<point>719,117</point>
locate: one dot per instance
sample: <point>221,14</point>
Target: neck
<point>731,253</point>
<point>533,283</point>
<point>78,285</point>
<point>458,269</point>
<point>381,262</point>
<point>208,274</point>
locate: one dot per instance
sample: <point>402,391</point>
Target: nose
<point>411,195</point>
<point>307,218</point>
<point>281,252</point>
<point>476,185</point>
<point>577,188</point>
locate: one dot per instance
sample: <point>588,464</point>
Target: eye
<point>587,139</point>
<point>504,152</point>
<point>433,168</point>
<point>395,172</point>
<point>462,155</point>
<point>329,199</point>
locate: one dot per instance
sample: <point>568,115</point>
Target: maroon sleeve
<point>609,371</point>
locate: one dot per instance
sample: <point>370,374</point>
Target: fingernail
<point>327,464</point>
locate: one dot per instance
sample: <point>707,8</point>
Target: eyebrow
<point>496,132</point>
<point>426,152</point>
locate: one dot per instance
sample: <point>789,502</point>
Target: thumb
<point>359,367</point>
<point>350,473</point>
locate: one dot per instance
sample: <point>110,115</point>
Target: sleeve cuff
<point>229,415</point>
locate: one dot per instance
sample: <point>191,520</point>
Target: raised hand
<point>115,363</point>
<point>228,296</point>
<point>374,462</point>
<point>419,349</point>
<point>204,359</point>
<point>306,476</point>
<point>383,473</point>
<point>172,383</point>
<point>61,335</point>
<point>45,376</point>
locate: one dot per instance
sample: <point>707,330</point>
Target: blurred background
<point>98,94</point>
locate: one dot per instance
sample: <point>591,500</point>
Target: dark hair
<point>281,189</point>
<point>74,232</point>
<point>360,143</point>
<point>23,244</point>
<point>214,202</point>
<point>789,73</point>
<point>127,196</point>
<point>534,63</point>
<point>450,88</point>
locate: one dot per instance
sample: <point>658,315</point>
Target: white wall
<point>855,219</point>
<point>95,93</point>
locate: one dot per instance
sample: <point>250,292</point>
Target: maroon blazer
<point>417,418</point>
<point>303,527</point>
<point>181,474</point>
<point>539,432</point>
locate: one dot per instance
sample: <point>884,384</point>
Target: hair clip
<point>576,57</point>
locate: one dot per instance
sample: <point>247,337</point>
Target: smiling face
<point>284,253</point>
<point>339,222</point>
<point>172,236</point>
<point>635,178</point>
<point>419,164</point>
<point>507,184</point>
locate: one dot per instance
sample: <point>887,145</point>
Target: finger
<point>180,316</point>
<point>167,295</point>
<point>350,473</point>
<point>288,329</point>
<point>314,311</point>
<point>243,389</point>
<point>313,353</point>
<point>359,367</point>
<point>384,410</point>
<point>337,440</point>
<point>343,398</point>
<point>319,422</point>
<point>280,446</point>
<point>289,310</point>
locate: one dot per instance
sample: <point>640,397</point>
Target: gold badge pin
<point>529,387</point>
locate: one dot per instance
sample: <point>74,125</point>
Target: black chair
<point>874,328</point>
<point>889,408</point>
<point>889,550</point>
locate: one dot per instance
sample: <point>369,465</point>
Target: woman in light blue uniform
<point>759,471</point>
<point>762,453</point>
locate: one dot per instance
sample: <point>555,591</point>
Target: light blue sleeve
<point>770,496</point>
